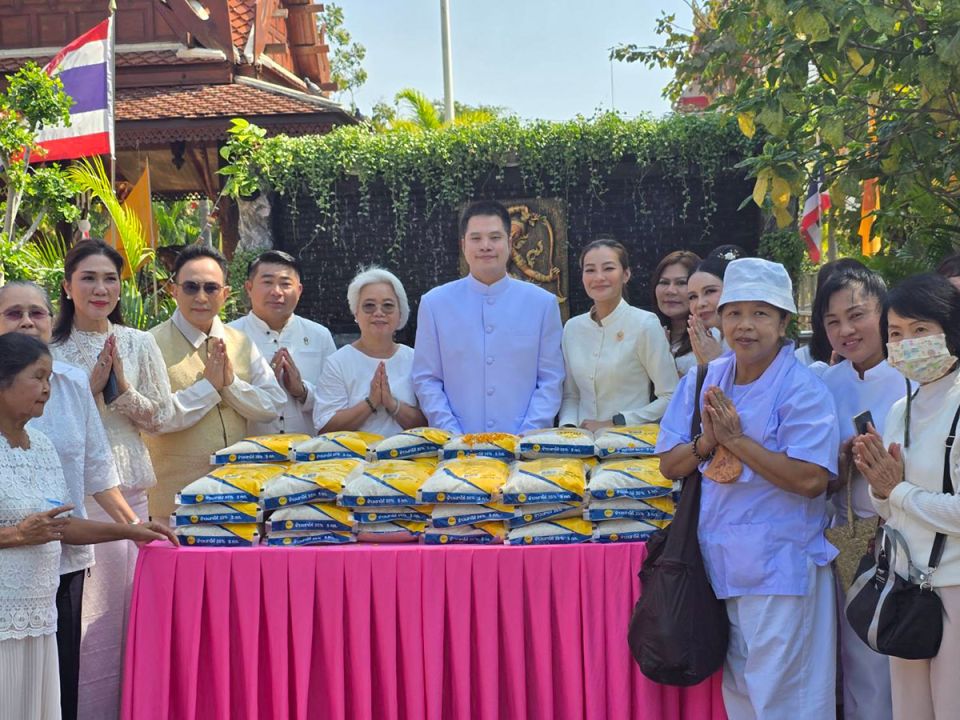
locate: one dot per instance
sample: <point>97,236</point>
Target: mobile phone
<point>861,420</point>
<point>111,391</point>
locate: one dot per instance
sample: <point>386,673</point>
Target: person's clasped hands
<point>219,369</point>
<point>288,374</point>
<point>380,393</point>
<point>882,467</point>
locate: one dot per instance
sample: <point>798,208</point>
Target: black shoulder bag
<point>894,615</point>
<point>679,629</point>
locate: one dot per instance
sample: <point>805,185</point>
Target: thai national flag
<point>86,68</point>
<point>816,204</point>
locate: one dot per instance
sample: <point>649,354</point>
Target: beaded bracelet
<point>696,454</point>
<point>373,408</point>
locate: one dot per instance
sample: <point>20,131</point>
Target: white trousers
<point>781,664</point>
<point>866,674</point>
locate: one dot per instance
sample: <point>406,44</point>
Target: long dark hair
<point>688,260</point>
<point>79,252</point>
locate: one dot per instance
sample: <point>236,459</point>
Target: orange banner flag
<point>139,201</point>
<point>869,243</point>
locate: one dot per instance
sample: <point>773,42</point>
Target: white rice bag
<point>485,533</point>
<point>627,441</point>
<point>390,532</point>
<point>528,514</point>
<point>545,481</point>
<point>384,483</point>
<point>636,478</point>
<point>259,448</point>
<point>502,446</point>
<point>446,516</point>
<point>335,446</point>
<point>413,513</point>
<point>557,442</point>
<point>229,483</point>
<point>612,531</point>
<point>320,481</point>
<point>216,514</point>
<point>309,537</point>
<point>413,443</point>
<point>472,480</point>
<point>624,508</point>
<point>551,532</point>
<point>234,535</point>
<point>313,516</point>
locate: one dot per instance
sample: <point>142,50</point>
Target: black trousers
<point>69,599</point>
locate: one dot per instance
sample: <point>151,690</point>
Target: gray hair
<point>30,285</point>
<point>371,275</point>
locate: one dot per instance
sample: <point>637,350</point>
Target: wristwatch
<point>619,420</point>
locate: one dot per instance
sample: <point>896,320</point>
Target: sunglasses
<point>369,308</point>
<point>191,287</point>
<point>35,314</point>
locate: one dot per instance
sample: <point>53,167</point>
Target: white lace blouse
<point>31,481</point>
<point>146,406</point>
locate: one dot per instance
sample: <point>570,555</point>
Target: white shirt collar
<point>261,325</point>
<point>194,336</point>
<point>618,311</point>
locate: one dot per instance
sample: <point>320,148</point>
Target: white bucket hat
<point>757,280</point>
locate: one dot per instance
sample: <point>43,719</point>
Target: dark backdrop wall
<point>649,212</point>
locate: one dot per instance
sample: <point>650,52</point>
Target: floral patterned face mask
<point>922,359</point>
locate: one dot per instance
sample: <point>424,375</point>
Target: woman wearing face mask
<point>614,352</point>
<point>905,470</point>
<point>847,310</point>
<point>704,287</point>
<point>672,306</point>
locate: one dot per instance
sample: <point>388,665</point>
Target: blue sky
<point>539,58</point>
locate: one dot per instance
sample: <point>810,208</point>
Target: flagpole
<point>112,7</point>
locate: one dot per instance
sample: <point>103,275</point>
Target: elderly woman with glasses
<point>367,385</point>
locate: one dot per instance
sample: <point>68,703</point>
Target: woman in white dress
<point>129,382</point>
<point>367,385</point>
<point>34,520</point>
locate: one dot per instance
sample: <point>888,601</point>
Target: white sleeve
<point>148,402</point>
<point>262,398</point>
<point>332,393</point>
<point>940,512</point>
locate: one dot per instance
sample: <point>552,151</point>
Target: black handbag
<point>679,630</point>
<point>893,614</point>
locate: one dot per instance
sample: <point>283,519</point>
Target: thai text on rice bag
<point>557,442</point>
<point>413,443</point>
<point>627,441</point>
<point>335,446</point>
<point>216,514</point>
<point>229,483</point>
<point>637,478</point>
<point>414,513</point>
<point>384,483</point>
<point>294,538</point>
<point>320,481</point>
<point>624,508</point>
<point>312,516</point>
<point>259,448</point>
<point>390,532</point>
<point>612,531</point>
<point>549,480</point>
<point>232,535</point>
<point>485,533</point>
<point>552,532</point>
<point>502,446</point>
<point>528,514</point>
<point>444,516</point>
<point>465,480</point>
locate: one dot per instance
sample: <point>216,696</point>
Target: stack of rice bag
<point>222,508</point>
<point>628,498</point>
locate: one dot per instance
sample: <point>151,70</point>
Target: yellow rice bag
<point>627,441</point>
<point>611,531</point>
<point>312,516</point>
<point>259,448</point>
<point>551,532</point>
<point>502,446</point>
<point>320,481</point>
<point>397,531</point>
<point>216,514</point>
<point>485,533</point>
<point>528,514</point>
<point>637,478</point>
<point>232,535</point>
<point>413,443</point>
<point>545,481</point>
<point>430,462</point>
<point>625,508</point>
<point>446,516</point>
<point>465,480</point>
<point>557,442</point>
<point>415,513</point>
<point>293,538</point>
<point>383,483</point>
<point>229,483</point>
<point>336,445</point>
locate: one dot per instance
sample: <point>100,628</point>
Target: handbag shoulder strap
<point>936,552</point>
<point>695,420</point>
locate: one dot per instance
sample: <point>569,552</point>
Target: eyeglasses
<point>192,288</point>
<point>387,308</point>
<point>35,314</point>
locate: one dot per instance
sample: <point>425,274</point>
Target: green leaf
<point>776,10</point>
<point>880,18</point>
<point>933,74</point>
<point>771,117</point>
<point>832,132</point>
<point>811,25</point>
<point>949,52</point>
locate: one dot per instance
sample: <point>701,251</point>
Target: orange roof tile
<point>208,101</point>
<point>242,15</point>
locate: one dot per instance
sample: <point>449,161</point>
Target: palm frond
<point>424,113</point>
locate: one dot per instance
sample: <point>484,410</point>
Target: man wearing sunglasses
<point>220,380</point>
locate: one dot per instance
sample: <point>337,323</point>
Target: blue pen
<point>58,503</point>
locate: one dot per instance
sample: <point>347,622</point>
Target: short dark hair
<point>715,263</point>
<point>193,252</point>
<point>949,266</point>
<point>688,260</point>
<point>273,257</point>
<point>820,348</point>
<point>926,297</point>
<point>607,241</point>
<point>484,207</point>
<point>63,325</point>
<point>849,276</point>
<point>18,351</point>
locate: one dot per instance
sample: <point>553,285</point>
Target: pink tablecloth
<point>391,632</point>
